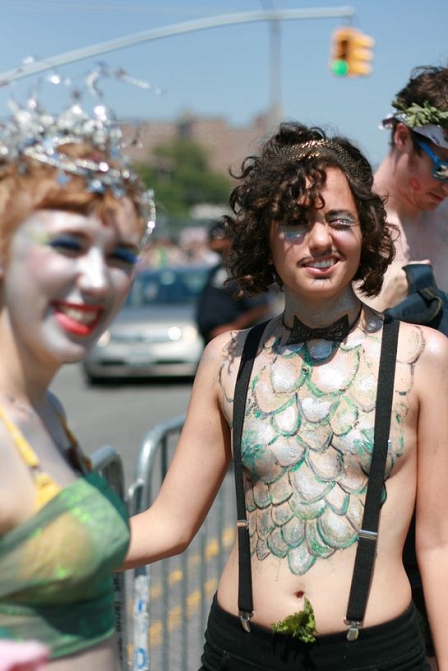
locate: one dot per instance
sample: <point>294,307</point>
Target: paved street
<point>118,415</point>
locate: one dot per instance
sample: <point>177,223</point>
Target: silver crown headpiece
<point>33,132</point>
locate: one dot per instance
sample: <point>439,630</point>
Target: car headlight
<point>188,333</point>
<point>174,333</point>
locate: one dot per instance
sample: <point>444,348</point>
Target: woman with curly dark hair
<point>271,185</point>
<point>336,420</point>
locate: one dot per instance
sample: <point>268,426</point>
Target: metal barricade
<point>172,597</point>
<point>107,462</point>
<point>161,610</point>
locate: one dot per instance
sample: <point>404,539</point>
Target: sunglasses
<point>440,168</point>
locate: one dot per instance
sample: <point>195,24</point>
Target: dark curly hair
<point>292,164</point>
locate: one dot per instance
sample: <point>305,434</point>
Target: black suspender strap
<point>245,604</point>
<point>366,550</point>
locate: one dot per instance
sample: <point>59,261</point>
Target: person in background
<point>413,177</point>
<point>73,218</point>
<point>219,307</point>
<point>305,215</point>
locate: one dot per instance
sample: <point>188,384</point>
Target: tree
<point>181,178</point>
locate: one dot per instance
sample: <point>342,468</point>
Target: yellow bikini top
<point>46,487</point>
<point>56,566</point>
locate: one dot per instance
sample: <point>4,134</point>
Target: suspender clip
<point>368,535</point>
<point>353,629</point>
<point>245,620</point>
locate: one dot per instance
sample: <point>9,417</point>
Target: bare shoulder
<point>224,351</point>
<point>220,364</point>
<point>220,359</point>
<point>423,347</point>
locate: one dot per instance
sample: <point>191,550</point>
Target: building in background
<point>226,145</point>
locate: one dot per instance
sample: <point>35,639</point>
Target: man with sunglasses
<point>414,178</point>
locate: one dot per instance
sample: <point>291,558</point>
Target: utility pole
<point>275,107</point>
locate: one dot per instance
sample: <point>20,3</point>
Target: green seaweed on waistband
<point>301,625</point>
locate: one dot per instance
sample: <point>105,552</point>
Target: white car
<point>155,333</point>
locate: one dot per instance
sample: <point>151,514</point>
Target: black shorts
<point>392,646</point>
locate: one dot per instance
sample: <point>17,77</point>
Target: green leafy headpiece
<point>416,115</point>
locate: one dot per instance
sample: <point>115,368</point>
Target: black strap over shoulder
<point>368,534</point>
<point>367,538</point>
<point>245,603</point>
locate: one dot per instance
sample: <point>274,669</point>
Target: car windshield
<point>167,287</point>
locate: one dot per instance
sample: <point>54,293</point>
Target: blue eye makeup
<point>71,244</point>
<point>340,221</point>
<point>126,256</point>
<point>67,243</point>
<point>294,230</point>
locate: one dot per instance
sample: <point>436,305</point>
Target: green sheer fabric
<point>56,568</point>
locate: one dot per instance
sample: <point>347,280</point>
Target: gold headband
<point>297,152</point>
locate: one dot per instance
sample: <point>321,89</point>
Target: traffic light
<point>351,53</point>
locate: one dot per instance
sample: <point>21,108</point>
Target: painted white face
<point>65,278</point>
<point>318,256</point>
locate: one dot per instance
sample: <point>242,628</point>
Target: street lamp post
<point>273,16</point>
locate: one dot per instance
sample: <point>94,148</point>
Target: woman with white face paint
<point>313,583</point>
<point>72,222</point>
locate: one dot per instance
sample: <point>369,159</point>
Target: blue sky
<point>225,71</point>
